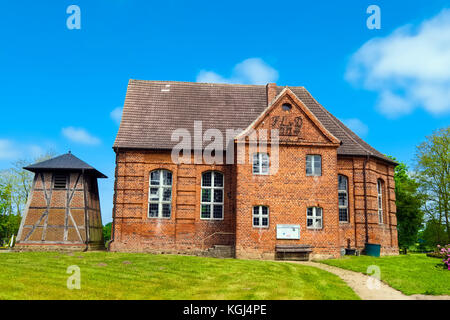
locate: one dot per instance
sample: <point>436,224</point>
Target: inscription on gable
<point>286,126</point>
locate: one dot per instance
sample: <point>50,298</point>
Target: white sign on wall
<point>288,231</point>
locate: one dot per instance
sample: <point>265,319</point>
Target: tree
<point>409,206</point>
<point>15,186</point>
<point>107,232</point>
<point>20,181</point>
<point>433,234</point>
<point>433,172</point>
<point>9,222</point>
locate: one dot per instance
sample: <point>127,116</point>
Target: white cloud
<point>116,114</point>
<point>249,71</point>
<point>12,150</point>
<point>357,126</point>
<point>80,135</point>
<point>410,68</point>
<point>8,151</point>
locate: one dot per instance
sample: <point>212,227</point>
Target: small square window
<point>313,165</point>
<point>260,217</point>
<point>314,218</point>
<point>261,163</point>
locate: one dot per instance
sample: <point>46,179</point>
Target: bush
<point>434,255</point>
<point>107,233</point>
<point>445,255</point>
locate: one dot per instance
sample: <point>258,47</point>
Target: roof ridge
<point>338,123</point>
<point>211,83</point>
<point>197,83</point>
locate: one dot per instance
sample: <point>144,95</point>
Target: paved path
<point>358,282</point>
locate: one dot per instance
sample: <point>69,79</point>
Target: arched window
<point>380,200</point>
<point>160,194</point>
<point>212,196</point>
<point>343,198</point>
<point>314,218</point>
<point>260,217</point>
<point>286,107</point>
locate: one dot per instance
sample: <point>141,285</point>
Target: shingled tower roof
<point>64,162</point>
<point>153,109</point>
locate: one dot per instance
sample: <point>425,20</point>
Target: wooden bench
<point>292,252</point>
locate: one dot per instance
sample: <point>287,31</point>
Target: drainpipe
<point>365,199</point>
<point>113,225</point>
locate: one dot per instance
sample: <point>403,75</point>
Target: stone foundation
<point>59,247</point>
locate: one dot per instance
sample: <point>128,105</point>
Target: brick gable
<point>296,126</point>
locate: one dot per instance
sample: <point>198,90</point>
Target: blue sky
<point>59,87</point>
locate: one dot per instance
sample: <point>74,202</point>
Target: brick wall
<point>184,231</point>
<point>355,231</point>
<point>288,193</point>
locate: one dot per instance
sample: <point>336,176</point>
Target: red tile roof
<point>153,109</point>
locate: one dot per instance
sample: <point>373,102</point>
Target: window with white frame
<point>314,218</point>
<point>313,165</point>
<point>260,217</point>
<point>343,198</point>
<point>380,200</point>
<point>260,163</point>
<point>212,196</point>
<point>160,194</point>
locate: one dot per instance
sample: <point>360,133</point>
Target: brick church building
<point>319,186</point>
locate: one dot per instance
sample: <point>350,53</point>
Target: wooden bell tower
<point>63,209</point>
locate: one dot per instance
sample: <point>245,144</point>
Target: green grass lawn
<point>104,275</point>
<point>411,274</point>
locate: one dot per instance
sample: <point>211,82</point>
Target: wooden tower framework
<point>63,209</point>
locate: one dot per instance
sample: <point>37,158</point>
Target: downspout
<point>365,198</point>
<point>113,225</point>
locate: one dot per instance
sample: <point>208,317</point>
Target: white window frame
<point>380,200</point>
<point>314,217</point>
<point>161,186</point>
<point>260,216</point>
<point>345,206</point>
<point>212,188</point>
<point>260,158</point>
<point>313,159</point>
